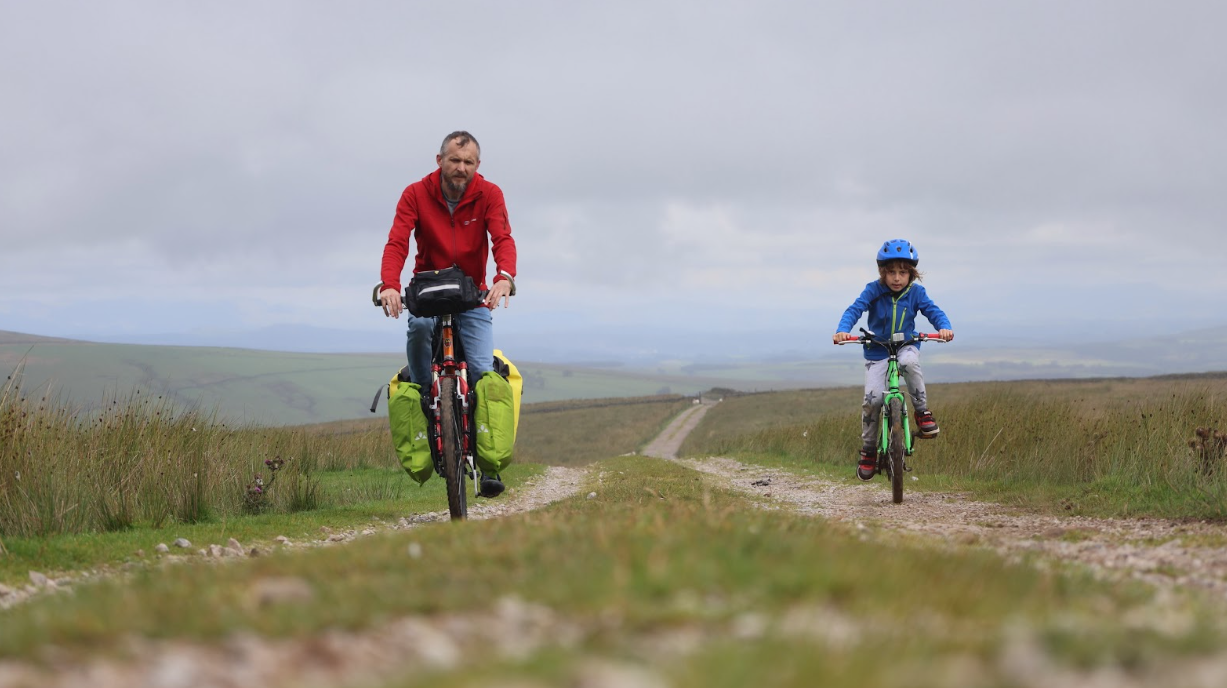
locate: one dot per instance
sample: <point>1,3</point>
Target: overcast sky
<point>711,165</point>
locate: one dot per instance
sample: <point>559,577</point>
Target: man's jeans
<point>476,338</point>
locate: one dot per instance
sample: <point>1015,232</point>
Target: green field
<point>272,388</point>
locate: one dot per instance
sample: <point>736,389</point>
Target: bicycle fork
<point>884,424</point>
<point>468,465</point>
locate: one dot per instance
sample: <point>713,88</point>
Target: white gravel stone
<point>182,542</point>
<point>161,548</point>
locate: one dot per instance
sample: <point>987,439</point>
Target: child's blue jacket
<point>890,313</point>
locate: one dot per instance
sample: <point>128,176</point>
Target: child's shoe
<point>927,426</point>
<point>867,467</point>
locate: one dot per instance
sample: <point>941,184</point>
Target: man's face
<point>459,164</point>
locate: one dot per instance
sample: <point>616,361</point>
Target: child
<point>893,302</point>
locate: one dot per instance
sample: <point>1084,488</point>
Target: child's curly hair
<point>914,275</point>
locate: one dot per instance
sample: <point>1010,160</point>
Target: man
<point>456,214</point>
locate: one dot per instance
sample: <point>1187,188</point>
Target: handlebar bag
<point>408,422</point>
<point>441,292</point>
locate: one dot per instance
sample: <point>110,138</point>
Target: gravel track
<point>1147,549</point>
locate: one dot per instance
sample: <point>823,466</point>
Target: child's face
<point>896,277</point>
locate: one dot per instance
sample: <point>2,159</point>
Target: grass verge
<point>656,552</point>
<point>360,498</point>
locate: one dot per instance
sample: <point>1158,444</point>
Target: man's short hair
<point>462,138</point>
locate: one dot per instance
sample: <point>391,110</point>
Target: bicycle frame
<point>447,361</point>
<point>893,392</point>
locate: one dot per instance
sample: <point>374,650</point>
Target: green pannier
<point>495,423</point>
<point>408,423</point>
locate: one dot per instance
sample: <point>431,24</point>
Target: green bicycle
<point>896,441</point>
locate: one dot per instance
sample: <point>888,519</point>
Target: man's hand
<point>500,290</point>
<point>390,298</point>
<point>842,337</point>
<point>946,335</point>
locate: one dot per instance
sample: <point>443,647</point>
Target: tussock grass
<point>1117,447</point>
<point>139,460</point>
<point>656,550</point>
<point>90,488</point>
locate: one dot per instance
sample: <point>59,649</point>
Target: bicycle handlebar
<point>379,287</point>
<point>921,337</point>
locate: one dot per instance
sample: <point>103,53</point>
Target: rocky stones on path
<point>235,548</point>
<point>182,543</point>
<point>161,548</point>
<point>282,539</point>
<point>39,580</point>
<point>5,591</point>
<point>280,590</point>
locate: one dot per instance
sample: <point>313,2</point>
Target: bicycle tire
<point>449,422</point>
<point>895,449</point>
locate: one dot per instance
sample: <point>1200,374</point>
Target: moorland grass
<point>351,500</point>
<point>87,489</point>
<point>655,549</point>
<point>1114,447</point>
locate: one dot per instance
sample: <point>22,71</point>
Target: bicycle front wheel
<point>453,474</point>
<point>895,449</point>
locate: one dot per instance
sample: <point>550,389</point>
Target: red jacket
<point>444,238</point>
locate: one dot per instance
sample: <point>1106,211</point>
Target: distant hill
<point>7,337</point>
<point>277,388</point>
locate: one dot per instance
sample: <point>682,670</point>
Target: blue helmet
<point>898,249</point>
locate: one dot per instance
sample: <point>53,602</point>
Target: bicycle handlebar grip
<point>375,294</point>
<point>926,336</point>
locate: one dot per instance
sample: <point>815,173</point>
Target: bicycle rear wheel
<point>453,474</point>
<point>896,449</point>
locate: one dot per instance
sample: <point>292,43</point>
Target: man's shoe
<point>867,467</point>
<point>927,426</point>
<point>489,486</point>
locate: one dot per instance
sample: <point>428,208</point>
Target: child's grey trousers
<point>875,392</point>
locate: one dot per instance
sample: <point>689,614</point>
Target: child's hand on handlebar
<point>842,337</point>
<point>946,335</point>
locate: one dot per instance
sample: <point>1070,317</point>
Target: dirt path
<point>558,482</point>
<point>670,439</point>
<point>375,655</point>
<point>1162,552</point>
<point>1153,550</point>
